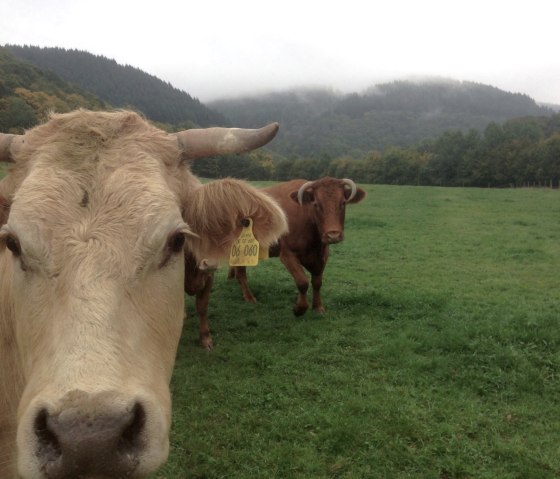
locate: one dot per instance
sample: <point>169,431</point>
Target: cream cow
<point>99,208</point>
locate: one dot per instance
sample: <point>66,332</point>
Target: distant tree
<point>549,168</point>
<point>342,167</point>
<point>399,166</point>
<point>284,170</point>
<point>446,158</point>
<point>16,115</point>
<point>206,168</point>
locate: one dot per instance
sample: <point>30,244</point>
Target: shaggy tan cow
<point>101,207</point>
<point>202,218</point>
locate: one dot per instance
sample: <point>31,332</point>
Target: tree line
<point>520,152</point>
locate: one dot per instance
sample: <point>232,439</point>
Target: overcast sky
<point>219,48</point>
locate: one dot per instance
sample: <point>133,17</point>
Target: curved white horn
<point>301,190</point>
<point>9,144</point>
<point>352,185</point>
<point>201,143</point>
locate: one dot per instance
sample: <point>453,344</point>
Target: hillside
<point>121,85</point>
<point>28,93</point>
<point>319,122</point>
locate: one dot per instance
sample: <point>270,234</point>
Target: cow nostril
<point>90,441</point>
<point>49,446</point>
<point>334,236</point>
<point>130,438</point>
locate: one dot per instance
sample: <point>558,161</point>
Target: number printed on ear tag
<point>245,249</point>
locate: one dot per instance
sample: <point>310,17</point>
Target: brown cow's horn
<point>9,144</point>
<point>352,185</point>
<point>301,190</point>
<point>201,143</point>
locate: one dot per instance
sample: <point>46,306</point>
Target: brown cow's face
<point>97,261</point>
<point>327,199</point>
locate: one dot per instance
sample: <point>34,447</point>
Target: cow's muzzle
<point>333,237</point>
<point>91,438</point>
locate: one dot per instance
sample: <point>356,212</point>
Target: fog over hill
<point>319,121</point>
<point>315,121</point>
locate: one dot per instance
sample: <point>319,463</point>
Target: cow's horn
<point>201,143</point>
<point>301,190</point>
<point>9,145</point>
<point>352,185</point>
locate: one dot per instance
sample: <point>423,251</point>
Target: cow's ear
<point>306,197</point>
<point>359,196</point>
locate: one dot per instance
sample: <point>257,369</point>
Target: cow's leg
<point>317,282</point>
<point>240,273</point>
<point>198,283</point>
<point>295,268</point>
<point>317,269</point>
<point>202,299</point>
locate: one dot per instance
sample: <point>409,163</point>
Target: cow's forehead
<point>127,206</point>
<point>89,155</point>
<point>51,189</point>
<point>329,188</point>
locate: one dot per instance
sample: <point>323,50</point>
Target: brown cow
<point>199,276</point>
<point>315,212</point>
<point>101,206</point>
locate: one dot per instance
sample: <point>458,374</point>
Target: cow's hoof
<point>206,343</point>
<point>250,299</point>
<point>320,310</point>
<point>299,310</point>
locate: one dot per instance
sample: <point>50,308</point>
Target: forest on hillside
<point>318,122</point>
<point>122,86</point>
<point>28,94</point>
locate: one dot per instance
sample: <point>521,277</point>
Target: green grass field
<point>438,357</point>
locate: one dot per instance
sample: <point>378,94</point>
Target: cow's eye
<point>175,242</point>
<point>12,243</point>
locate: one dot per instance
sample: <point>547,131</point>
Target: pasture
<point>438,357</point>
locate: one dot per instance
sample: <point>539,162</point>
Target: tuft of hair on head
<point>216,212</point>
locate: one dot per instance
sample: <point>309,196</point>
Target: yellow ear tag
<point>245,249</point>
